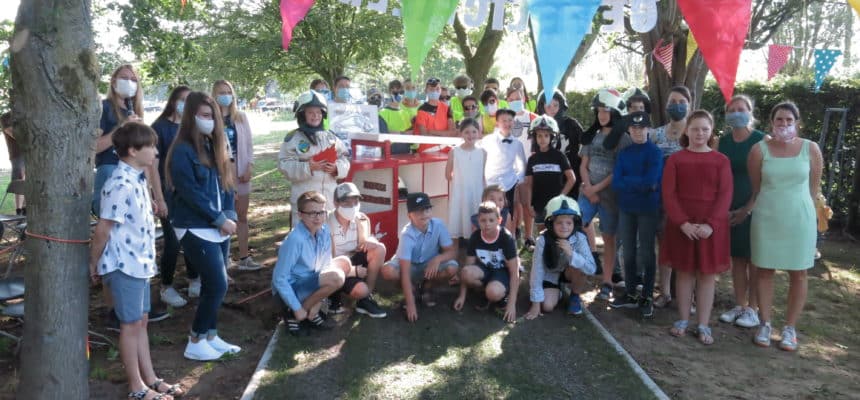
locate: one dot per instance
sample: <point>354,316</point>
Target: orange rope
<point>53,239</point>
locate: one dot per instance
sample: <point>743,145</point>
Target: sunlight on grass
<point>309,360</point>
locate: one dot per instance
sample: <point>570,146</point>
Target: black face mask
<point>375,100</point>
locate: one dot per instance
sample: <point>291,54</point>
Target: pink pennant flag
<point>777,56</point>
<point>663,54</point>
<point>292,11</point>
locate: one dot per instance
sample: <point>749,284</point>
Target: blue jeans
<point>170,254</point>
<point>207,258</point>
<point>103,173</point>
<point>638,232</point>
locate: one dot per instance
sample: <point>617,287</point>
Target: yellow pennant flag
<point>856,5</point>
<point>692,45</point>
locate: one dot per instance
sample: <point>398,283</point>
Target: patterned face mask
<point>785,133</point>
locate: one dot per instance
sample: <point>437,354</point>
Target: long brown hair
<point>699,114</point>
<point>188,133</point>
<point>117,101</point>
<point>234,113</point>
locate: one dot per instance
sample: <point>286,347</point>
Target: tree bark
<point>56,109</point>
<point>478,61</point>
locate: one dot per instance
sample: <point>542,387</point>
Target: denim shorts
<point>608,218</point>
<point>417,270</point>
<point>500,275</point>
<point>306,286</point>
<point>130,296</point>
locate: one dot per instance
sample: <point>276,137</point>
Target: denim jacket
<point>193,202</point>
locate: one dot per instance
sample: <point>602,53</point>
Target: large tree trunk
<point>659,82</point>
<point>56,109</point>
<point>479,61</point>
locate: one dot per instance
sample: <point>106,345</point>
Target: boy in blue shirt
<point>425,254</point>
<point>306,273</point>
<point>123,254</point>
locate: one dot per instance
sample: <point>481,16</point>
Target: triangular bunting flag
<point>720,29</point>
<point>558,27</point>
<point>824,60</point>
<point>856,5</point>
<point>777,56</point>
<point>691,47</point>
<point>423,21</point>
<point>292,11</point>
<point>664,55</point>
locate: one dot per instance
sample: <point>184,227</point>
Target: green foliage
<point>6,28</point>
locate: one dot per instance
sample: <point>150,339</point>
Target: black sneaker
<point>529,245</point>
<point>626,301</point>
<point>368,306</point>
<point>335,306</point>
<point>502,304</point>
<point>618,280</point>
<point>646,307</point>
<point>295,328</point>
<point>155,316</point>
<point>320,324</point>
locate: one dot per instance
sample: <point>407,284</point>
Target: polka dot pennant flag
<point>824,60</point>
<point>777,56</point>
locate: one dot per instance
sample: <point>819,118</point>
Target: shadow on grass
<point>448,354</point>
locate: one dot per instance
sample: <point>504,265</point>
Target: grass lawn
<point>447,355</point>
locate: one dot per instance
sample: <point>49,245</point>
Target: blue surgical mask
<point>224,100</point>
<point>677,111</point>
<point>433,95</point>
<point>325,93</point>
<point>410,94</point>
<point>516,105</point>
<point>343,93</point>
<point>397,97</point>
<point>180,107</point>
<point>739,119</point>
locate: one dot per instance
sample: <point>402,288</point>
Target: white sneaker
<point>170,296</point>
<point>732,315</point>
<point>201,351</point>
<point>220,345</point>
<point>194,288</point>
<point>762,338</point>
<point>748,319</point>
<point>248,264</point>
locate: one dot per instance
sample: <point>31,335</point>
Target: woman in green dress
<point>785,172</point>
<point>736,146</point>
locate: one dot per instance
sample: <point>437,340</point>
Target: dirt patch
<point>826,366</point>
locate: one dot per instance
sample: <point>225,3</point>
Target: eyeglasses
<point>315,214</point>
<point>444,98</point>
<point>470,108</point>
<point>433,81</point>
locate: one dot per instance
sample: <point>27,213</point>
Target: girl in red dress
<point>697,192</point>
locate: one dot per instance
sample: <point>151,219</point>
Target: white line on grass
<point>261,371</point>
<point>649,383</point>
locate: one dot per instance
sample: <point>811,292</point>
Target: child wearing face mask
<point>488,107</point>
<point>397,118</point>
<point>410,99</point>
<point>351,237</point>
<point>434,118</point>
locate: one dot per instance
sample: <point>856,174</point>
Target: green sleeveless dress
<point>737,152</point>
<point>783,219</point>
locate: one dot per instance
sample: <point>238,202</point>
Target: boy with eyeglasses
<point>306,273</point>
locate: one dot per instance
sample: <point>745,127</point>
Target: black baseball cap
<point>417,201</point>
<point>639,119</point>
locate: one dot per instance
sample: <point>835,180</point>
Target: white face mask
<point>125,88</point>
<point>462,92</point>
<point>205,126</point>
<point>492,108</point>
<point>348,212</point>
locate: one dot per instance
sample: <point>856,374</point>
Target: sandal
<point>679,328</point>
<point>662,300</point>
<point>705,335</point>
<point>141,395</point>
<point>174,390</point>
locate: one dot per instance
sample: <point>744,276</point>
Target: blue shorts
<point>608,218</point>
<point>306,286</point>
<point>500,275</point>
<point>416,271</point>
<point>130,296</point>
